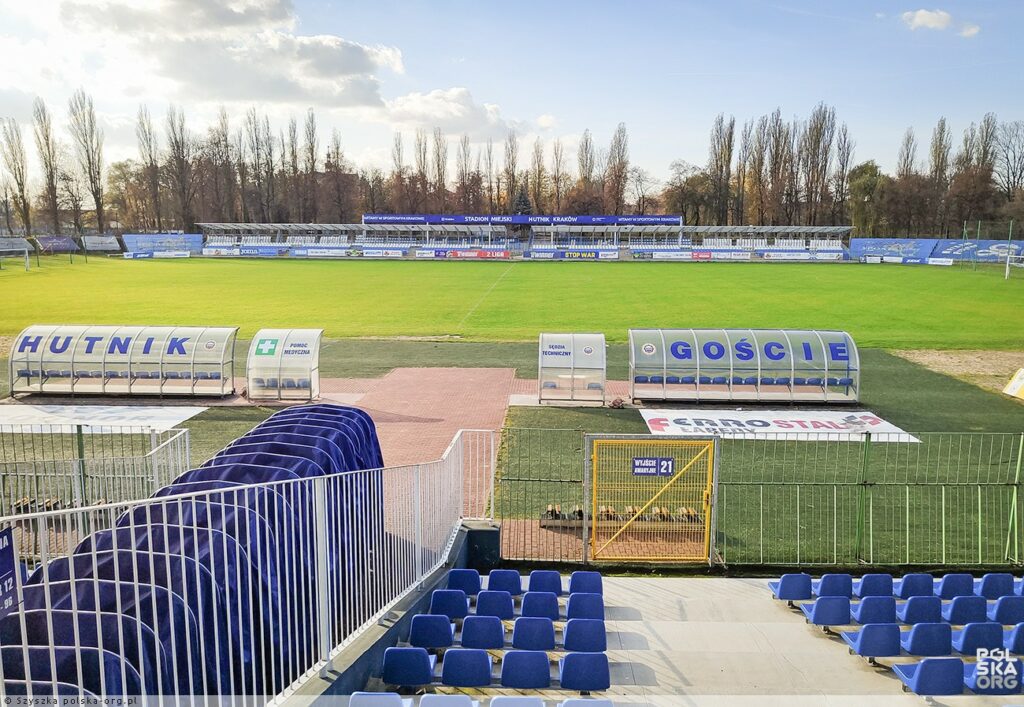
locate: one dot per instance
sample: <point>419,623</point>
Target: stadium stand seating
<point>942,621</point>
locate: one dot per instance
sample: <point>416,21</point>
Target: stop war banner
<point>798,425</point>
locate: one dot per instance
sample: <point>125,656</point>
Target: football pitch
<point>881,306</point>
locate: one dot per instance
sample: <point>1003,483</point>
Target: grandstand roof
<point>769,230</point>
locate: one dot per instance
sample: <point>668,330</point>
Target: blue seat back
<point>545,581</point>
<point>965,610</point>
<point>1008,611</point>
<point>938,676</point>
<point>915,584</point>
<point>526,670</point>
<point>995,584</point>
<point>533,633</point>
<point>921,609</point>
<point>584,672</point>
<point>1013,639</point>
<point>830,611</point>
<point>453,603</point>
<point>875,640</point>
<point>430,631</point>
<point>466,580</point>
<point>876,610</point>
<point>586,581</point>
<point>495,603</point>
<point>540,604</point>
<point>407,667</point>
<point>987,634</point>
<point>834,584</point>
<point>588,635</point>
<point>585,606</point>
<point>792,587</point>
<point>874,585</point>
<point>928,639</point>
<point>955,585</point>
<point>483,632</point>
<point>466,667</point>
<point>505,580</point>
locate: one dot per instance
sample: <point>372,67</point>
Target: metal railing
<point>477,452</point>
<point>793,499</point>
<point>68,442</point>
<point>29,485</point>
<point>244,590</point>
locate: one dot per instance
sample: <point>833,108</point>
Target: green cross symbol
<point>266,347</point>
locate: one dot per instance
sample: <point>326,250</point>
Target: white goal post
<point>1014,261</point>
<point>15,254</point>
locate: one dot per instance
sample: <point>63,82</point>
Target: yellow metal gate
<point>652,497</point>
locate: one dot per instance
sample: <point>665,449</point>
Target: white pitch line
<point>484,296</point>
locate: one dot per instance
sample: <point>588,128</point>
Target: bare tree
<point>49,156</point>
<point>489,170</point>
<point>13,150</point>
<point>149,155</point>
<point>642,185</point>
<point>440,164</point>
<point>739,209</point>
<point>759,168</point>
<point>511,165</point>
<point>720,165</point>
<point>421,162</point>
<point>617,169</point>
<point>221,178</point>
<point>967,155</point>
<point>841,178</point>
<point>242,167</point>
<point>585,162</point>
<point>816,139</point>
<point>939,153</point>
<point>291,157</point>
<point>907,157</point>
<point>398,172</point>
<point>559,176</point>
<point>89,146</point>
<point>182,156</point>
<point>336,168</point>
<point>538,176</point>
<point>1010,158</point>
<point>310,158</point>
<point>986,144</point>
<point>73,195</point>
<point>463,173</point>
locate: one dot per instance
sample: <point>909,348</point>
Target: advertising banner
<point>149,242</point>
<point>138,256</point>
<point>730,255</point>
<point>799,425</point>
<point>430,253</point>
<point>321,251</point>
<point>892,247</point>
<point>1015,388</point>
<point>101,244</point>
<point>940,261</point>
<point>222,251</point>
<point>478,253</point>
<point>171,254</point>
<point>56,244</point>
<point>8,566</point>
<point>264,251</point>
<point>701,255</point>
<point>786,255</point>
<point>383,253</point>
<point>528,220</point>
<point>672,255</point>
<point>539,254</point>
<point>987,251</point>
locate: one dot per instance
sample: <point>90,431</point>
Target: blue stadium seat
<point>874,640</point>
<point>767,380</point>
<point>544,604</point>
<point>49,664</point>
<point>484,632</point>
<point>792,587</point>
<point>719,380</point>
<point>657,379</point>
<point>782,380</point>
<point>833,381</point>
<point>965,610</point>
<point>920,610</point>
<point>288,383</point>
<point>375,699</point>
<point>750,380</point>
<point>799,380</point>
<point>407,667</point>
<point>533,633</point>
<point>582,605</point>
<point>1002,677</point>
<point>588,636</point>
<point>994,585</point>
<point>737,380</point>
<point>549,385</point>
<point>505,581</point>
<point>927,639</point>
<point>586,581</point>
<point>545,581</point>
<point>873,585</point>
<point>272,383</point>
<point>955,585</point>
<point>816,381</point>
<point>641,379</point>
<point>302,383</point>
<point>874,610</point>
<point>828,611</point>
<point>932,676</point>
<point>20,688</point>
<point>202,375</point>
<point>584,672</point>
<point>431,631</point>
<point>1013,639</point>
<point>24,373</point>
<point>526,670</point>
<point>1007,611</point>
<point>215,376</point>
<point>833,585</point>
<point>495,603</point>
<point>453,603</point>
<point>704,380</point>
<point>971,637</point>
<point>672,380</point>
<point>916,584</point>
<point>688,380</point>
<point>466,667</point>
<point>466,580</point>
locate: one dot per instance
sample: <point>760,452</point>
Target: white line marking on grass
<point>484,295</point>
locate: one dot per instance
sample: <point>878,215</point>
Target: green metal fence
<point>944,499</point>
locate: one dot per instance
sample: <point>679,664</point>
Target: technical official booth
<point>123,360</point>
<point>748,365</point>
<point>571,367</point>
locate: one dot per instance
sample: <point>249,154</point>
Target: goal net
<point>14,258</point>
<point>1014,266</point>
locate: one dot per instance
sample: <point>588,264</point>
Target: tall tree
<point>617,169</point>
<point>841,178</point>
<point>585,162</point>
<point>1010,159</point>
<point>490,174</point>
<point>13,149</point>
<point>49,157</point>
<point>559,176</point>
<point>398,182</point>
<point>463,173</point>
<point>720,165</point>
<point>88,138</point>
<point>440,164</point>
<point>538,175</point>
<point>310,160</point>
<point>511,168</point>
<point>906,160</point>
<point>149,155</point>
<point>182,155</point>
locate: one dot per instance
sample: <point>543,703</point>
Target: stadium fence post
<point>865,461</point>
<point>1011,531</point>
<point>322,583</point>
<point>418,520</point>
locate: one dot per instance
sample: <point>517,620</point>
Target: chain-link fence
<point>793,499</point>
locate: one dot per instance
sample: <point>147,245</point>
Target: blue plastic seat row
<point>742,380</point>
<point>949,676</point>
<point>884,640</point>
<point>958,611</point>
<point>470,667</point>
<point>470,581</point>
<point>455,604</point>
<point>434,631</point>
<point>800,586</point>
<point>299,383</point>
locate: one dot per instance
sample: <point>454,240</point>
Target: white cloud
<point>927,19</point>
<point>546,121</point>
<point>453,110</point>
<point>969,30</point>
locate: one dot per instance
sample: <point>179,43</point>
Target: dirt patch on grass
<point>6,342</point>
<point>989,370</point>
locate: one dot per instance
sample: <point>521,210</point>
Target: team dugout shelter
<point>571,367</point>
<point>284,364</point>
<point>748,365</point>
<point>123,360</point>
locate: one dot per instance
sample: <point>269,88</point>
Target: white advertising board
<point>798,425</point>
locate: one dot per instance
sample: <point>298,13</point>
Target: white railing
<point>233,590</point>
<point>52,484</point>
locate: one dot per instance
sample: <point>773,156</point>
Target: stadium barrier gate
<point>292,571</point>
<point>947,499</point>
<point>61,466</point>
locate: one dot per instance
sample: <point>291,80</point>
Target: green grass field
<point>881,306</point>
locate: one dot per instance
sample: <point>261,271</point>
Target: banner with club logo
<point>798,425</point>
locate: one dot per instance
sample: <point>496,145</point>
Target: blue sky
<point>547,69</point>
